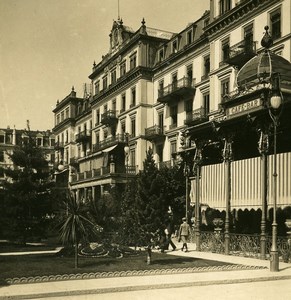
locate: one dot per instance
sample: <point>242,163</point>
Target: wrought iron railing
<point>119,138</point>
<point>247,245</point>
<point>181,83</point>
<point>242,47</point>
<point>154,130</point>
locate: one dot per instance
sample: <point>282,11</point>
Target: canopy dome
<point>260,68</point>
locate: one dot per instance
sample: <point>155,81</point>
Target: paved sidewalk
<point>131,283</point>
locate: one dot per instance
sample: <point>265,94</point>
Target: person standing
<point>184,232</point>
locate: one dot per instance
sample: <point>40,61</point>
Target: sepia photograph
<point>145,149</point>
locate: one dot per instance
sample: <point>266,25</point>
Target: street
<point>267,290</point>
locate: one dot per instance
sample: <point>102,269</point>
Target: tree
<point>27,199</point>
<point>75,224</point>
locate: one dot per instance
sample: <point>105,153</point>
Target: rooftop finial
<point>267,41</point>
<point>143,22</point>
<point>73,88</point>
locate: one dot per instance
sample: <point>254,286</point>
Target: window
<point>248,38</point>
<point>224,6</point>
<point>173,147</point>
<point>188,105</point>
<point>161,55</point>
<point>97,117</point>
<point>225,50</point>
<point>113,76</point>
<point>174,115</point>
<point>133,97</point>
<point>206,103</point>
<point>58,119</point>
<point>52,142</point>
<point>161,121</point>
<point>62,116</point>
<point>189,74</point>
<point>123,68</point>
<point>175,46</point>
<point>132,157</point>
<point>67,113</point>
<point>161,88</point>
<point>206,67</point>
<point>97,137</point>
<point>114,105</point>
<point>123,102</point>
<point>133,129</point>
<point>275,22</point>
<point>105,107</point>
<point>105,83</point>
<point>224,88</point>
<point>189,37</point>
<point>97,87</point>
<point>105,134</point>
<point>174,80</point>
<point>2,138</point>
<point>123,128</point>
<point>67,136</point>
<point>132,61</point>
<point>2,155</point>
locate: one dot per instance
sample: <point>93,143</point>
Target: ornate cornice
<point>143,72</point>
<point>241,11</point>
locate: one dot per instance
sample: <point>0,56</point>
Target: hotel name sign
<point>244,108</point>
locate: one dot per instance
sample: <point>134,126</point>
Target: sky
<point>48,46</point>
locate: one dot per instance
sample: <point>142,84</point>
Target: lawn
<point>51,264</point>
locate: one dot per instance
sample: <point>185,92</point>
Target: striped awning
<point>246,184</point>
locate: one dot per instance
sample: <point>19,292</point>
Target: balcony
<point>74,162</point>
<point>83,137</point>
<point>182,88</point>
<point>111,141</point>
<point>59,146</point>
<point>241,52</point>
<point>196,116</point>
<point>109,117</point>
<point>154,133</point>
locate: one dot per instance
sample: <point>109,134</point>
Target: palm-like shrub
<point>75,223</point>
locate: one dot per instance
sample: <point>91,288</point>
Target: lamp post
<point>186,174</point>
<point>274,106</point>
<point>126,153</point>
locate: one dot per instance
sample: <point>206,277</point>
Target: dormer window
<point>2,137</point>
<point>224,6</point>
<point>132,61</point>
<point>105,82</point>
<point>123,68</point>
<point>175,46</point>
<point>113,76</point>
<point>161,54</point>
<point>189,36</point>
<point>97,87</point>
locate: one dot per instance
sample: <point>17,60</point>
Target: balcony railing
<point>59,146</point>
<point>111,141</point>
<point>196,116</point>
<point>154,132</point>
<point>83,136</point>
<point>241,52</point>
<point>109,117</point>
<point>105,171</point>
<point>182,87</point>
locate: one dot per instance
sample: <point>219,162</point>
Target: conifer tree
<point>27,199</point>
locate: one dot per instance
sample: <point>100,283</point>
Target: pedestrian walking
<point>169,231</point>
<point>184,232</point>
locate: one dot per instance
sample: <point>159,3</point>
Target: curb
<point>144,287</point>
